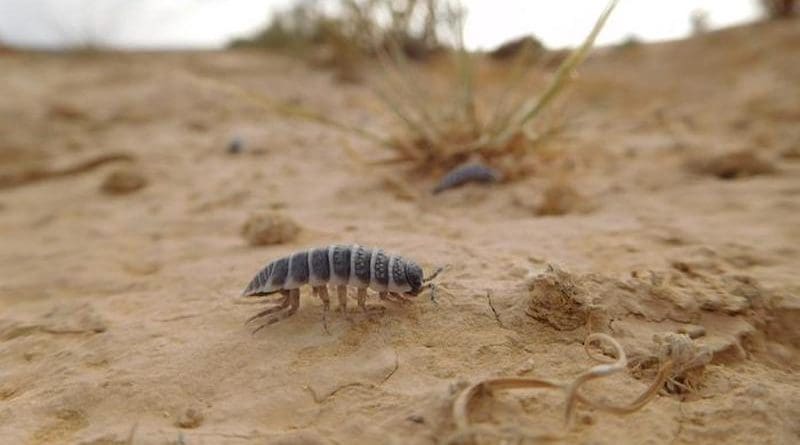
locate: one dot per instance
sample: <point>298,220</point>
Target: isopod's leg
<point>392,297</point>
<point>292,301</point>
<point>322,291</point>
<point>362,298</point>
<point>283,303</point>
<point>399,298</point>
<point>341,293</point>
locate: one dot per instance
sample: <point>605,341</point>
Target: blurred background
<point>204,24</point>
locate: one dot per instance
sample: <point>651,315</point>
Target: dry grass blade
<point>560,80</point>
<point>609,367</point>
<point>396,68</point>
<point>466,70</point>
<point>288,110</point>
<point>503,112</point>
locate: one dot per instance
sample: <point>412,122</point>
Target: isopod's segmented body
<point>465,173</point>
<point>392,276</point>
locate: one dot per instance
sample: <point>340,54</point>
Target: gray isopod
<point>465,173</point>
<point>392,276</point>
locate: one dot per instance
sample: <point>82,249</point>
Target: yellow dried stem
<point>609,367</point>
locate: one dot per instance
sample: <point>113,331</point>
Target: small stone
<point>267,228</point>
<point>560,199</point>
<point>416,418</point>
<point>123,182</point>
<point>236,145</point>
<point>189,418</point>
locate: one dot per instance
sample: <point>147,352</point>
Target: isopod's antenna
<point>435,274</point>
<point>432,286</point>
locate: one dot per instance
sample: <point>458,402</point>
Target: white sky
<point>211,23</point>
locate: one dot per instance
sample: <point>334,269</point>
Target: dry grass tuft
<point>434,134</point>
<point>435,138</point>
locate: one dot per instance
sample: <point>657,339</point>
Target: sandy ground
<point>119,312</point>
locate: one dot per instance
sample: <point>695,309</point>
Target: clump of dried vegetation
<point>466,430</point>
<point>434,132</point>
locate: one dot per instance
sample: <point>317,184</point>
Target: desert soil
<point>672,204</point>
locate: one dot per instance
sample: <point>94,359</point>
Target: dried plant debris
<point>466,431</point>
<point>734,165</point>
<point>470,172</point>
<point>266,228</point>
<point>688,361</point>
<point>123,181</point>
<point>16,178</point>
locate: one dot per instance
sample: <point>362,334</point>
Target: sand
<point>119,281</point>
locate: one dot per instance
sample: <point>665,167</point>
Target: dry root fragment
<point>465,431</point>
<point>267,228</point>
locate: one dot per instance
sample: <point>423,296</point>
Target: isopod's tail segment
<point>427,283</point>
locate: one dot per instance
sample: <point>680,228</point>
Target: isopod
<point>465,173</point>
<point>392,276</point>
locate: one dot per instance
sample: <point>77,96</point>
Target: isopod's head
<point>414,277</point>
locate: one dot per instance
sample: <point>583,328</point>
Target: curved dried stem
<point>609,366</point>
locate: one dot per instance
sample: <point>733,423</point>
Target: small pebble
<point>189,418</point>
<point>416,418</point>
<point>236,145</point>
<point>267,228</point>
